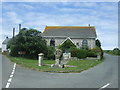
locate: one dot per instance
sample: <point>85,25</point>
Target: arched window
<point>84,44</point>
<point>52,42</point>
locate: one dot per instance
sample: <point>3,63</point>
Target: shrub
<point>73,51</point>
<point>82,53</point>
<point>50,53</point>
<point>79,53</point>
<point>97,50</point>
<point>14,51</point>
<point>91,54</point>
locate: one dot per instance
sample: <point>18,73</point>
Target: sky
<point>102,15</point>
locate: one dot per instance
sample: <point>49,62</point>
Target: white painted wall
<point>4,47</point>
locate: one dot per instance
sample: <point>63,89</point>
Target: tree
<point>98,43</point>
<point>116,51</point>
<point>50,53</point>
<point>29,41</point>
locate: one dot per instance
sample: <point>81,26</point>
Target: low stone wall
<point>88,58</point>
<point>66,55</point>
<point>75,58</point>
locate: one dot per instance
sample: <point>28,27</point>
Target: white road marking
<point>10,79</point>
<point>104,86</point>
<point>13,70</point>
<point>7,86</point>
<point>14,66</point>
<point>12,73</point>
<point>11,76</point>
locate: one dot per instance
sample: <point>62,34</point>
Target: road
<point>0,72</point>
<point>102,75</point>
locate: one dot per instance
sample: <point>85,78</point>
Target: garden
<point>73,66</point>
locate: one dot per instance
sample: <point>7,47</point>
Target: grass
<point>79,65</point>
<point>111,52</point>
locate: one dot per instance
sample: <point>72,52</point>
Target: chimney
<point>13,32</point>
<point>89,25</point>
<point>19,27</point>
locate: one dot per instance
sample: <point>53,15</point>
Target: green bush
<point>14,51</point>
<point>79,53</point>
<point>50,53</point>
<point>73,51</point>
<point>98,51</point>
<point>82,53</point>
<point>91,54</point>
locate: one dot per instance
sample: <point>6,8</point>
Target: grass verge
<point>79,65</point>
<point>111,52</point>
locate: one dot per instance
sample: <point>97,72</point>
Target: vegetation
<point>50,53</point>
<point>76,65</point>
<point>98,51</point>
<point>115,51</point>
<point>79,53</point>
<point>83,53</point>
<point>98,43</point>
<point>28,42</point>
<point>66,45</point>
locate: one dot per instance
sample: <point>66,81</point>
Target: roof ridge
<point>70,26</point>
<point>48,27</point>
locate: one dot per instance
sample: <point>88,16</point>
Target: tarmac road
<point>103,75</point>
<point>0,72</point>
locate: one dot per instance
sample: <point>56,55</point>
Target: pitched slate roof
<point>70,31</point>
<point>6,41</point>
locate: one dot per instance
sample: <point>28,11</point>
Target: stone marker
<point>40,59</point>
<point>58,58</point>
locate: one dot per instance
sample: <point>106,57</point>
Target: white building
<point>4,44</point>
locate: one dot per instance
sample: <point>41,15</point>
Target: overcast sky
<point>104,16</point>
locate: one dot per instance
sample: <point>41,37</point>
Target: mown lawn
<point>77,65</point>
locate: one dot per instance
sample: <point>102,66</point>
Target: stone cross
<point>58,56</point>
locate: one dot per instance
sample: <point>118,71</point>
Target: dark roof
<point>6,41</point>
<point>70,31</point>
